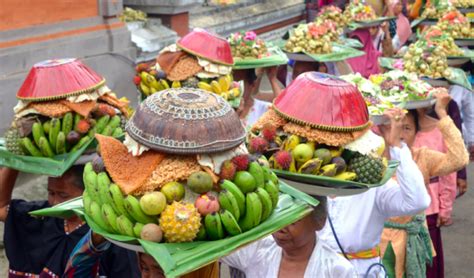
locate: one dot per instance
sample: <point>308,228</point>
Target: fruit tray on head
<point>177,259</point>
<point>464,42</point>
<point>369,23</point>
<point>339,53</point>
<point>328,145</point>
<point>62,105</point>
<point>186,121</point>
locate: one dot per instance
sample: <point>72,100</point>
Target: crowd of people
<point>391,230</point>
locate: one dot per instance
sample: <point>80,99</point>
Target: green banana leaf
<point>177,259</point>
<point>368,23</point>
<point>276,58</point>
<point>339,53</point>
<point>458,76</point>
<point>354,43</point>
<point>55,166</point>
<point>336,183</point>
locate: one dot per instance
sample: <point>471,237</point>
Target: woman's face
<point>397,9</point>
<point>149,267</point>
<point>298,234</point>
<point>408,130</point>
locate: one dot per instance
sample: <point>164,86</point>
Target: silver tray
<point>299,57</point>
<point>323,190</point>
<point>128,246</point>
<point>453,62</point>
<point>464,42</point>
<point>466,10</point>
<point>379,119</point>
<point>418,103</point>
<point>441,82</point>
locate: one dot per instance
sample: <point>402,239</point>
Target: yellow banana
<point>176,84</point>
<point>224,83</point>
<point>312,145</point>
<point>145,90</point>
<point>291,142</point>
<point>205,86</point>
<point>311,166</point>
<point>155,85</point>
<point>336,152</point>
<point>348,176</point>
<point>216,88</point>
<point>292,166</point>
<point>143,76</point>
<point>164,84</point>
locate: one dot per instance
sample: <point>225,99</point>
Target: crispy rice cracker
<point>167,60</point>
<point>115,102</point>
<point>127,171</point>
<point>52,109</point>
<point>186,67</point>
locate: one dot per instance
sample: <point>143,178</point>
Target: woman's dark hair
<point>320,212</point>
<point>414,114</point>
<point>251,76</point>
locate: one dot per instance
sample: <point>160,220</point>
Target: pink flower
<point>398,64</point>
<point>250,36</point>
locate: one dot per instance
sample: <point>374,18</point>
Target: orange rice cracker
<point>270,117</point>
<point>127,171</point>
<point>115,102</point>
<point>186,67</point>
<point>52,109</point>
<point>83,108</point>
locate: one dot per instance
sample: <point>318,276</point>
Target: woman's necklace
<point>68,230</point>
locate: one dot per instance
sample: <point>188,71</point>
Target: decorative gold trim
<point>75,93</point>
<point>321,127</point>
<point>200,56</point>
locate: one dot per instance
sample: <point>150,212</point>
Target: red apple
<point>206,203</point>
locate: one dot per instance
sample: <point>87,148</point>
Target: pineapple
<point>12,141</point>
<point>180,222</point>
<point>369,169</point>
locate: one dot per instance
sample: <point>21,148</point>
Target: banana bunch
<point>222,86</point>
<point>148,84</point>
<point>68,134</point>
<point>109,208</point>
<point>241,211</point>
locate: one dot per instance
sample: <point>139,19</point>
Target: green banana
<point>257,172</point>
<point>45,148</point>
<point>47,126</point>
<point>103,183</point>
<point>132,205</point>
<point>96,214</point>
<point>253,212</point>
<point>92,131</point>
<point>269,175</point>
<point>125,226</point>
<point>267,204</point>
<point>86,201</point>
<point>61,143</point>
<point>113,124</point>
<point>80,144</point>
<point>201,235</point>
<point>230,223</point>
<point>272,190</point>
<point>311,166</point>
<point>90,182</point>
<point>38,132</point>
<point>119,200</point>
<point>54,131</point>
<point>137,229</point>
<point>235,190</point>
<point>228,202</point>
<point>118,132</point>
<point>67,123</point>
<point>101,123</point>
<point>30,147</point>
<point>77,118</point>
<point>110,216</point>
<point>214,227</point>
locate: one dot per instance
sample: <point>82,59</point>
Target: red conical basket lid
<point>59,78</point>
<point>324,102</point>
<point>203,44</point>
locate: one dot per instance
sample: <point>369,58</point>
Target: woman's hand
<point>272,72</point>
<point>392,134</point>
<point>442,102</point>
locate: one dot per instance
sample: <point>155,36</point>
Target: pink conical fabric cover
<point>59,78</point>
<point>324,102</point>
<point>203,44</point>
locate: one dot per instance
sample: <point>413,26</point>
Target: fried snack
<point>186,67</point>
<point>52,109</point>
<point>167,60</point>
<point>172,168</point>
<point>127,171</point>
<point>83,108</point>
<point>115,102</point>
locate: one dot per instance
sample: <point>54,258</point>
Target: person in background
<point>41,246</point>
<point>400,30</point>
<point>254,103</point>
<point>355,223</point>
<point>465,101</point>
<point>89,251</point>
<point>405,243</point>
<point>294,251</point>
<point>367,64</point>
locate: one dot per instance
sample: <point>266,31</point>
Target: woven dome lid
<point>203,44</point>
<point>323,101</point>
<point>59,78</point>
<point>186,121</point>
